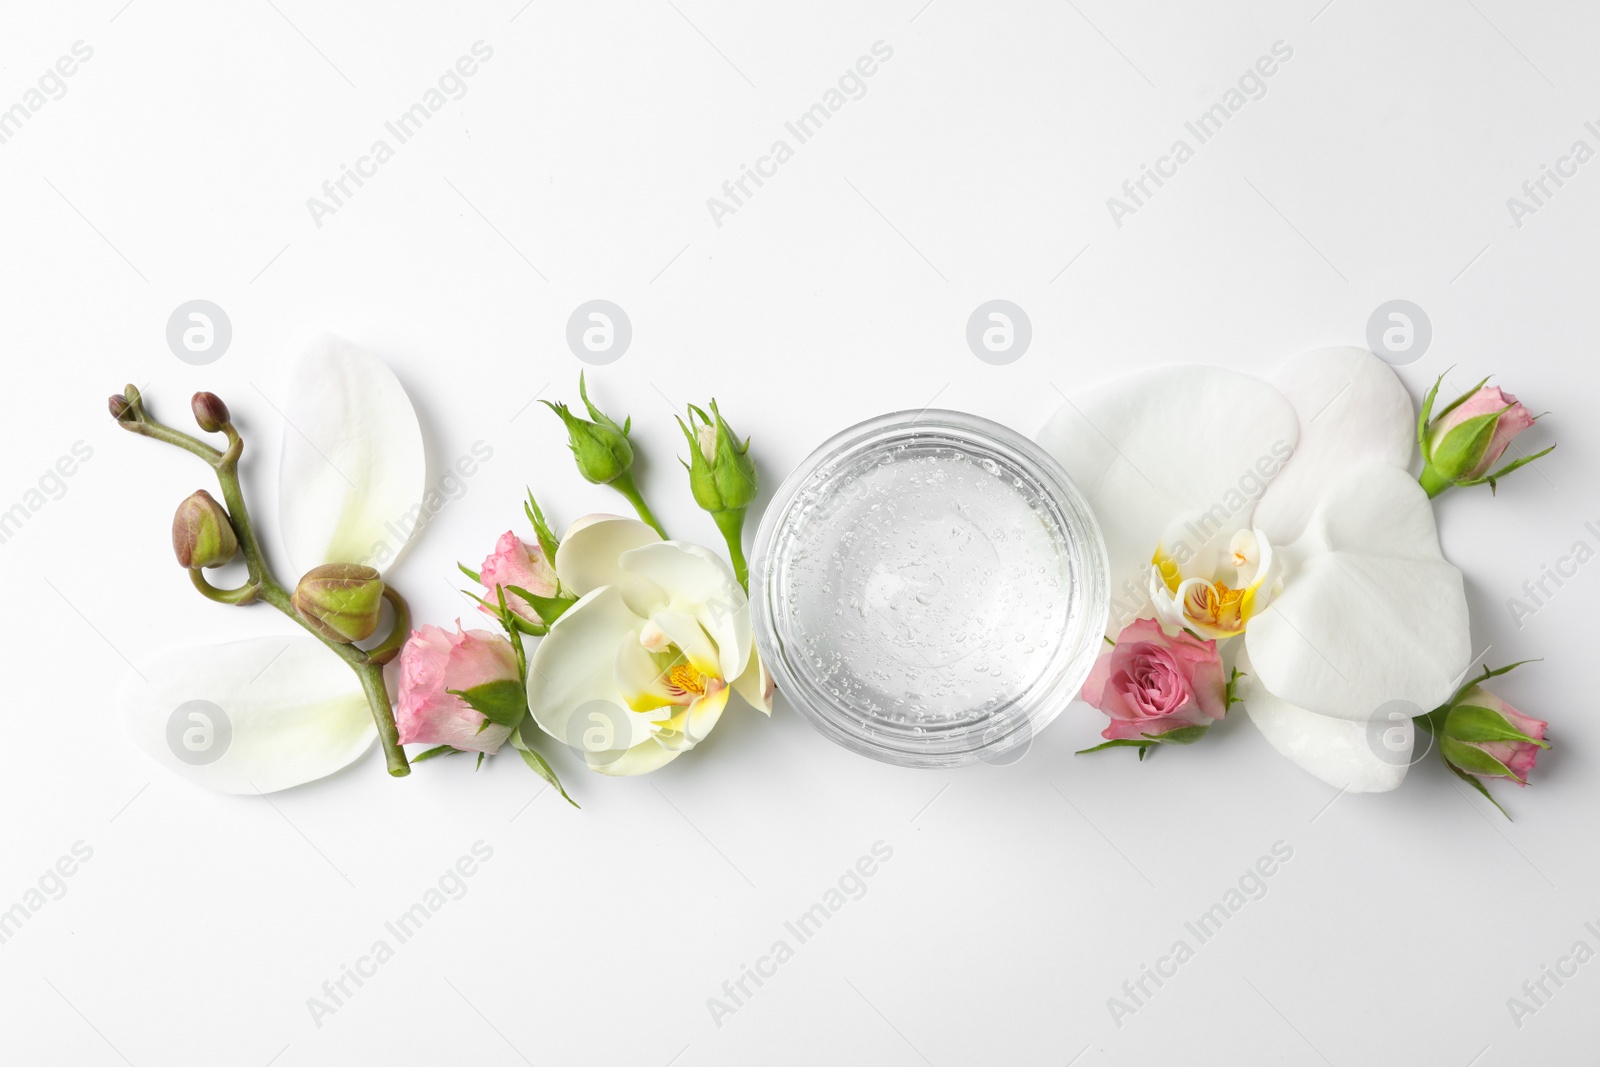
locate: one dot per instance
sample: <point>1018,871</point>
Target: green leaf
<point>1479,680</point>
<point>437,750</point>
<point>1469,722</point>
<point>1183,735</point>
<point>1426,414</point>
<point>539,765</point>
<point>481,757</point>
<point>1230,695</point>
<point>1464,446</point>
<point>548,543</point>
<point>550,608</point>
<point>1517,464</point>
<point>1473,760</point>
<point>1121,743</point>
<point>1479,786</point>
<point>504,702</point>
<point>470,573</point>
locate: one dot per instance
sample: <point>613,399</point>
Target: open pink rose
<point>434,662</point>
<point>515,562</point>
<point>1150,683</point>
<point>1487,401</point>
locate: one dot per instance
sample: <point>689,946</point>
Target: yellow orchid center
<point>1218,605</point>
<point>683,678</point>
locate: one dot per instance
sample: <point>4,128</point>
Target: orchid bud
<point>1467,438</point>
<point>209,411</point>
<point>202,535</point>
<point>600,447</point>
<point>720,471</point>
<point>121,410</point>
<point>1484,736</point>
<point>342,601</point>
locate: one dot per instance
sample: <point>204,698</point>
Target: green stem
<point>390,646</point>
<point>242,595</point>
<point>623,484</point>
<point>1434,482</point>
<point>731,523</point>
<point>264,586</point>
<point>371,675</point>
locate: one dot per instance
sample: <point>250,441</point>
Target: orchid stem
<point>623,483</point>
<point>262,585</point>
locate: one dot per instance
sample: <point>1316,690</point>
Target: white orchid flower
<point>1370,617</point>
<point>639,670</point>
<point>1214,594</point>
<point>268,713</point>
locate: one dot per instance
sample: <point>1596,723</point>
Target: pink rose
<point>1473,712</point>
<point>515,562</point>
<point>1151,683</point>
<point>1486,401</point>
<point>432,664</point>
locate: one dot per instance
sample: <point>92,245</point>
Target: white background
<point>1019,899</point>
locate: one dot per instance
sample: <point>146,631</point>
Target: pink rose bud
<point>516,563</point>
<point>459,689</point>
<point>1157,687</point>
<point>1486,737</point>
<point>1465,442</point>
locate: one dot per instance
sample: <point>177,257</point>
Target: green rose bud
<point>202,534</point>
<point>720,470</point>
<point>601,447</point>
<point>342,601</point>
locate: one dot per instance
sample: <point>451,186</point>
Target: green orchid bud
<point>720,470</point>
<point>600,447</point>
<point>342,601</point>
<point>202,534</point>
<point>210,413</point>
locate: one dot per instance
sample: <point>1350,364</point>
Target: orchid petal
<point>1353,410</point>
<point>350,487</point>
<point>691,725</point>
<point>281,711</point>
<point>1357,757</point>
<point>1374,613</point>
<point>640,759</point>
<point>1166,442</point>
<point>701,584</point>
<point>587,558</point>
<point>755,685</point>
<point>684,631</point>
<point>572,675</point>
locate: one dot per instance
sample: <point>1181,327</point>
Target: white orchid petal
<point>1374,614</point>
<point>755,684</point>
<point>1164,442</point>
<point>700,583</point>
<point>572,674</point>
<point>587,558</point>
<point>351,484</point>
<point>1358,757</point>
<point>640,759</point>
<point>683,630</point>
<point>290,712</point>
<point>1353,410</point>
